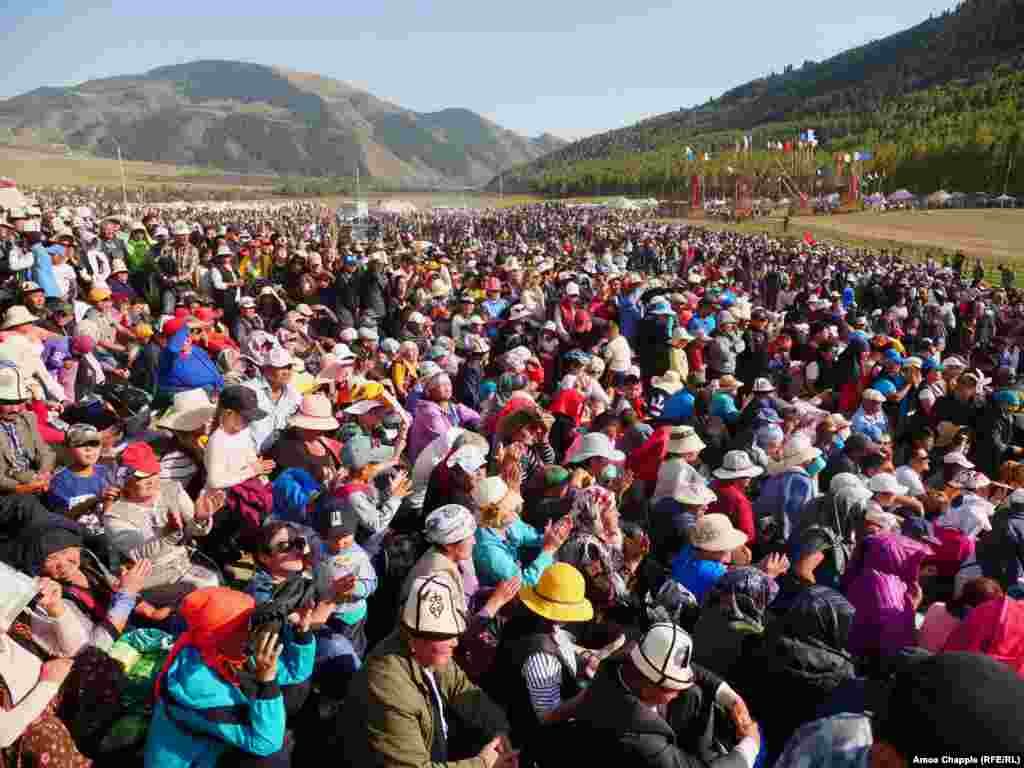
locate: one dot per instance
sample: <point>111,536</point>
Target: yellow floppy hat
<point>560,595</point>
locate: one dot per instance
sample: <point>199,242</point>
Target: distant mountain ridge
<point>259,119</point>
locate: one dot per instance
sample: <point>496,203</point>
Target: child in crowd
<point>341,557</point>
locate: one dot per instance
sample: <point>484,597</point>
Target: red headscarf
<point>569,402</point>
<point>996,629</point>
<point>213,615</point>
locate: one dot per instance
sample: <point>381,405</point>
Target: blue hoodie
<point>194,371</point>
<point>209,715</point>
<point>42,271</point>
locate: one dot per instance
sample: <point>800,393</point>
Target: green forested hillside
<point>937,104</point>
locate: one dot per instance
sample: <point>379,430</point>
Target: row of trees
<point>956,136</point>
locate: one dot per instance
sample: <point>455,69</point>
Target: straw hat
<point>432,608</point>
<point>729,383</point>
<point>796,452</point>
<point>189,411</point>
<point>560,595</point>
<point>670,382</point>
<point>315,412</point>
<point>16,316</point>
<point>737,464</point>
<point>715,533</point>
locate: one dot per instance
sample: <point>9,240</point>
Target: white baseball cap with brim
<point>469,458</point>
<point>189,411</point>
<point>735,465</point>
<point>596,445</point>
<point>715,533</point>
<point>433,608</point>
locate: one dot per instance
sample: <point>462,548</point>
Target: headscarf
<point>994,628</point>
<point>819,616</point>
<point>587,543</point>
<point>294,489</point>
<point>848,366</point>
<point>508,385</point>
<point>569,402</point>
<point>876,583</point>
<point>213,614</point>
<point>743,595</point>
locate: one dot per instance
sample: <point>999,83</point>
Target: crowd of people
<point>501,486</point>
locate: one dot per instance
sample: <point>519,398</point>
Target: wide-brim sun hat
<point>693,494</point>
<point>737,464</point>
<point>715,533</point>
<point>684,439</point>
<point>596,445</point>
<point>560,595</point>
<point>315,412</point>
<point>669,382</point>
<point>190,410</point>
<point>17,316</point>
<point>796,452</point>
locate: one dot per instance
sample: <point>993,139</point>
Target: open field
<point>993,235</point>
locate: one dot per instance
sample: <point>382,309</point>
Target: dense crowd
<point>500,488</point>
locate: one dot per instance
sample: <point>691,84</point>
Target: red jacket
<point>734,504</point>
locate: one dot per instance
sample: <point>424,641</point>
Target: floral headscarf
<point>744,594</point>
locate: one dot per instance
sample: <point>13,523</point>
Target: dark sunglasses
<point>296,544</point>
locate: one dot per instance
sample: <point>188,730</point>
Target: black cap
<point>335,517</point>
<point>243,400</point>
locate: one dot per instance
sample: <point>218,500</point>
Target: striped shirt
<point>177,465</point>
<point>543,674</point>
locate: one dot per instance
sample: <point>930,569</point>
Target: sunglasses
<point>296,544</point>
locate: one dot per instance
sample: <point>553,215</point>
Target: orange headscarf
<point>213,614</point>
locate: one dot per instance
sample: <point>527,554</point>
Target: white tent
<point>397,206</point>
<point>1006,201</point>
<point>11,196</point>
<point>622,204</point>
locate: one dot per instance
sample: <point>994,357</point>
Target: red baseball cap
<point>140,458</point>
<point>206,314</point>
<point>171,327</point>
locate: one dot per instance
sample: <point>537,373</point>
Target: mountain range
<point>950,83</point>
<point>260,119</point>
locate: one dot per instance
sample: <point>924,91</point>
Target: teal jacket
<point>200,716</point>
<point>498,557</point>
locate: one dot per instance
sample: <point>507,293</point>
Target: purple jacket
<point>877,584</point>
<point>430,422</point>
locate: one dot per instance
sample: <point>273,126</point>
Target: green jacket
<point>387,719</point>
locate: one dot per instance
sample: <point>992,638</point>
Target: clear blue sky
<point>571,67</point>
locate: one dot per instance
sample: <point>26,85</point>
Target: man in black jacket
<point>374,290</point>
<point>654,709</point>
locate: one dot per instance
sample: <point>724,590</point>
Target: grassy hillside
<point>943,92</point>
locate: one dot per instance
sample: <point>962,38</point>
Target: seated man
<point>401,703</point>
<point>26,461</point>
<point>651,708</point>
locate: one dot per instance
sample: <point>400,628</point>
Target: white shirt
<point>618,355</point>
<point>64,276</point>
<point>228,458</point>
<point>908,477</point>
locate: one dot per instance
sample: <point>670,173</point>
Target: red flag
<point>808,238</point>
<point>788,146</point>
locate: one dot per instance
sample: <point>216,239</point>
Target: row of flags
<point>807,139</point>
